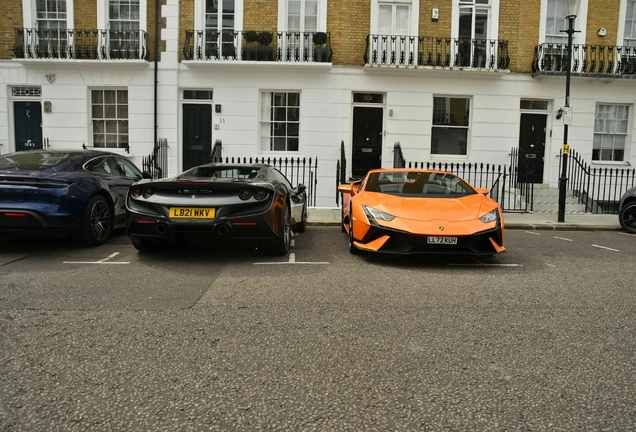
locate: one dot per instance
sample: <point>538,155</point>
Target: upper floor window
<point>51,14</point>
<point>302,15</point>
<point>553,21</point>
<point>629,30</point>
<point>123,14</point>
<point>475,27</point>
<point>219,14</point>
<point>394,18</point>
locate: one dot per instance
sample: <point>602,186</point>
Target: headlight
<point>490,216</point>
<point>377,214</point>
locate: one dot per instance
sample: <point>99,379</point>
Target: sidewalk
<point>520,221</point>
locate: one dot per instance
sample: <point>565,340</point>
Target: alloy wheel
<point>100,220</point>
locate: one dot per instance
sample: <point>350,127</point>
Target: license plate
<point>191,213</point>
<point>442,240</point>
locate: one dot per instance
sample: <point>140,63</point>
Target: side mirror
<point>483,191</point>
<point>345,188</point>
<point>146,175</point>
<point>301,188</point>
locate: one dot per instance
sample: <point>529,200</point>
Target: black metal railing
<point>297,170</point>
<point>230,45</point>
<point>398,156</point>
<point>156,163</point>
<point>33,43</point>
<point>598,189</point>
<point>103,147</point>
<point>501,180</point>
<point>586,59</point>
<point>341,171</point>
<point>393,50</point>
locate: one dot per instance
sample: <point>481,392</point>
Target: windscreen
<point>226,172</point>
<point>34,161</point>
<point>418,184</point>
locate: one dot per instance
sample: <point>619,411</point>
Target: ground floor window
<point>449,135</point>
<point>280,121</point>
<point>109,115</point>
<point>610,132</point>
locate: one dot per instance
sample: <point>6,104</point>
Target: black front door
<point>367,140</point>
<point>531,148</point>
<point>27,119</point>
<point>197,135</point>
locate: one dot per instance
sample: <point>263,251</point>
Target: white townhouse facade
<point>461,81</point>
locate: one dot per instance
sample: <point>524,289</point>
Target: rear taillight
<point>15,214</point>
<point>260,194</point>
<point>245,194</point>
<point>135,192</point>
<point>147,192</point>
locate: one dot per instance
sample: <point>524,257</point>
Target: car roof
<point>380,170</point>
<point>72,152</point>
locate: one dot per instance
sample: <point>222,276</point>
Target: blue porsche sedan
<point>58,193</point>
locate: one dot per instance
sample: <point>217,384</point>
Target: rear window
<point>230,172</point>
<point>418,184</point>
<point>30,161</point>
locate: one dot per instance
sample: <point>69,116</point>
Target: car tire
<point>352,248</point>
<point>284,237</point>
<point>627,217</point>
<point>98,223</point>
<point>342,221</point>
<point>143,245</point>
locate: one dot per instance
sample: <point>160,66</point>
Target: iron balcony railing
<point>599,189</point>
<point>296,170</point>
<point>33,43</point>
<point>551,58</point>
<point>394,50</point>
<point>230,45</point>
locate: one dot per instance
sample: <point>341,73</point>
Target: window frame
<point>580,23</point>
<point>261,121</point>
<point>627,134</point>
<point>199,15</point>
<point>92,119</point>
<point>30,14</point>
<point>493,17</point>
<point>103,15</point>
<point>322,15</point>
<point>414,15</point>
<point>468,128</point>
<point>622,16</point>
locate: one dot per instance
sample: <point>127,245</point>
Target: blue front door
<point>28,125</point>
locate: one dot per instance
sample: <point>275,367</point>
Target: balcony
<point>596,61</point>
<point>434,52</point>
<point>229,46</point>
<point>73,44</point>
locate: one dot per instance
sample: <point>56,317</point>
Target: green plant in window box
<point>265,52</point>
<point>321,52</point>
<point>250,51</point>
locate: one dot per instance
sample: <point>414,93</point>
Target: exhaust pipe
<point>223,230</point>
<point>161,228</point>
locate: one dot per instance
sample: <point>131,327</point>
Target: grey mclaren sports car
<point>251,202</point>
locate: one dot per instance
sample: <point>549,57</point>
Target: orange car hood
<point>426,209</point>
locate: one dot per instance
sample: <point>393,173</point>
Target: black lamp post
<point>571,9</point>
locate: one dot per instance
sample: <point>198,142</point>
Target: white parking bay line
<point>605,247</point>
<point>104,261</point>
<point>484,265</point>
<point>627,234</point>
<point>533,233</point>
<point>292,260</point>
<point>563,238</point>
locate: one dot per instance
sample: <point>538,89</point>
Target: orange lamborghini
<point>420,211</point>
